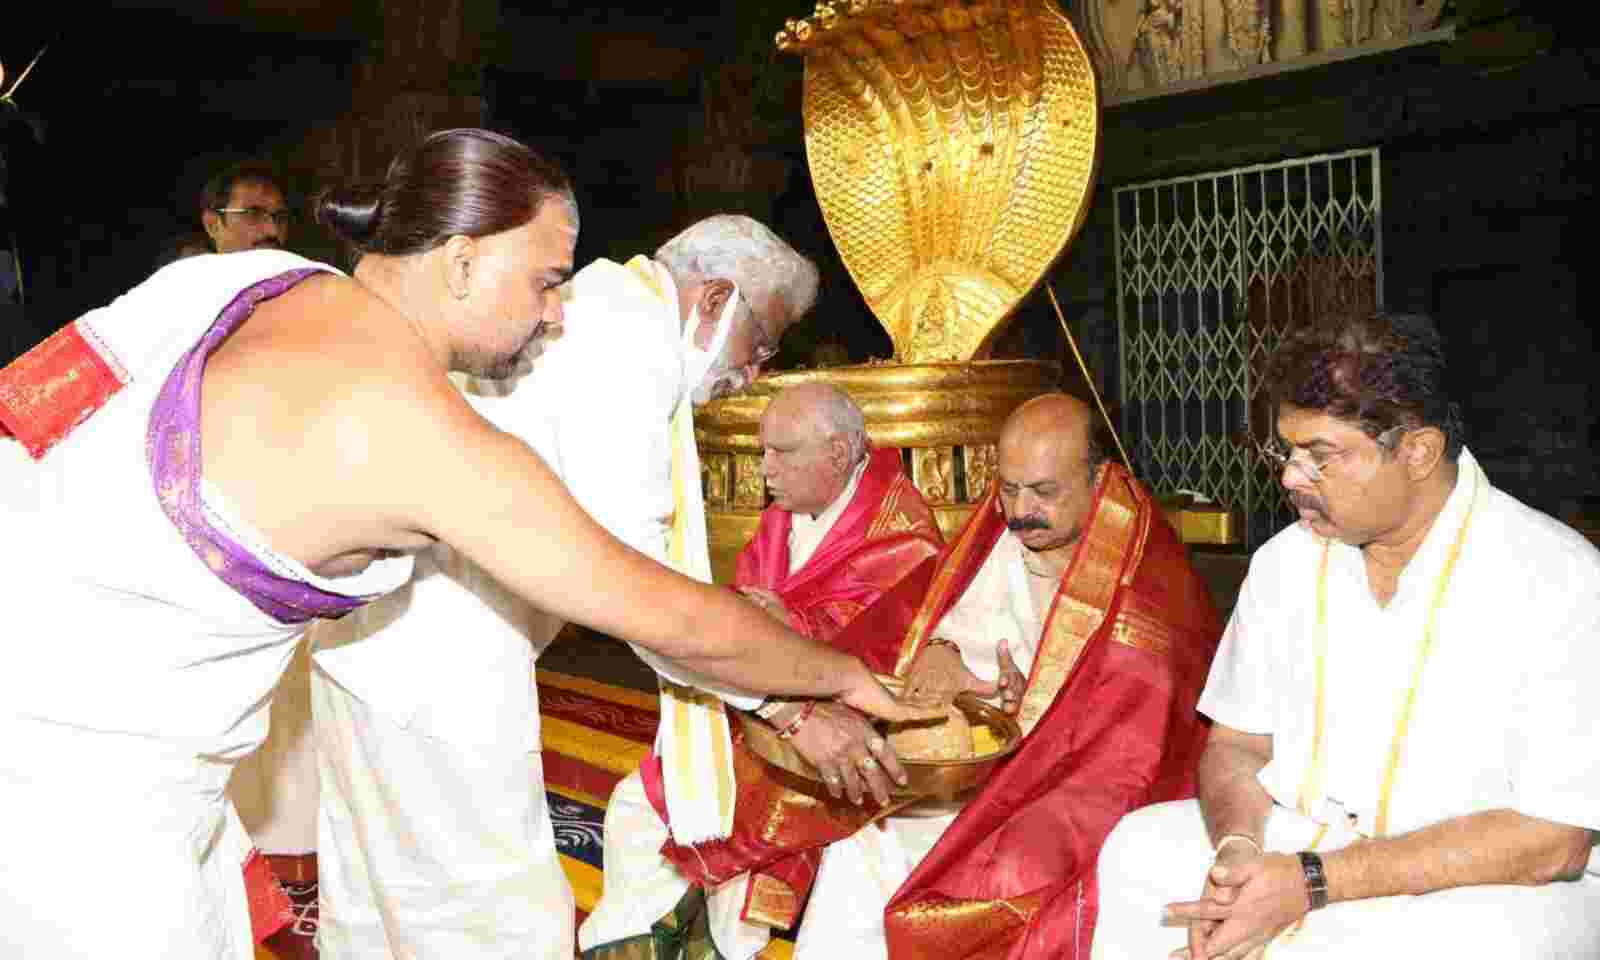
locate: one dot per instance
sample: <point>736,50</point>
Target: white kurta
<point>641,886</point>
<point>435,838</point>
<point>1499,722</point>
<point>859,874</point>
<point>122,718</point>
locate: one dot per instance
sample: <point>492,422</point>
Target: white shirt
<point>997,603</point>
<point>806,533</point>
<point>1502,716</point>
<point>598,405</point>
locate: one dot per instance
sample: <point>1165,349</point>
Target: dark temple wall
<point>1488,153</point>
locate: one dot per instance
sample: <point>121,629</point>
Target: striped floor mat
<point>594,735</point>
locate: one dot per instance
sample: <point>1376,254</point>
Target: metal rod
<point>16,263</point>
<point>25,71</point>
<point>1073,343</point>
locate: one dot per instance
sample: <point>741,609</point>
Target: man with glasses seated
<point>1403,759</point>
<point>242,208</point>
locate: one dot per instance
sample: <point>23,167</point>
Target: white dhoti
<point>434,836</point>
<point>122,719</point>
<point>169,887</point>
<point>855,880</point>
<point>275,788</point>
<point>464,864</point>
<point>1160,855</point>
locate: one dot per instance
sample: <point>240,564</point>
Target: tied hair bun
<point>353,211</point>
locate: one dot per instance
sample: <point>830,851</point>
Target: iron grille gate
<point>1211,271</point>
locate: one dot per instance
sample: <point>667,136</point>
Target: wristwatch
<point>1316,879</point>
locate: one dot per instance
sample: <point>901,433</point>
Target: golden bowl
<point>996,733</point>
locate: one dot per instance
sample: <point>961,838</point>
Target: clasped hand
<point>1248,899</point>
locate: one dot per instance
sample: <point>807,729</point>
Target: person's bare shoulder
<point>387,390</point>
<point>340,406</point>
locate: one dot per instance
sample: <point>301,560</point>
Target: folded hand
<point>1248,899</point>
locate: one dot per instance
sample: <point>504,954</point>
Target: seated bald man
<point>1066,599</point>
<point>844,526</point>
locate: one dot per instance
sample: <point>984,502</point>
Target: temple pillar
<point>421,72</point>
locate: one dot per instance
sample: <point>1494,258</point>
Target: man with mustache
<point>1403,759</point>
<point>242,208</point>
<point>434,837</point>
<point>1067,600</point>
<point>845,525</point>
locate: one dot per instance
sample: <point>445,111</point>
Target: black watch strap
<point>1316,879</point>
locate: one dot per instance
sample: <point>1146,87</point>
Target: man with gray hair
<point>434,836</point>
<point>845,526</point>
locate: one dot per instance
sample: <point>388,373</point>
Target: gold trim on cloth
<point>771,901</point>
<point>960,927</point>
<point>1084,596</point>
<point>693,736</point>
<point>1312,787</point>
<point>890,519</point>
<point>920,624</point>
<point>1112,544</point>
<point>1141,632</point>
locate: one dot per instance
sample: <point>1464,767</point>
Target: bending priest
<point>437,840</point>
<point>333,443</point>
<point>844,526</point>
<point>1068,596</point>
<point>1386,777</point>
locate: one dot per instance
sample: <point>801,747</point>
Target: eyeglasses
<point>764,349</point>
<point>1312,463</point>
<point>258,216</point>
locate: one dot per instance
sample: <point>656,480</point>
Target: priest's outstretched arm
<point>572,567</point>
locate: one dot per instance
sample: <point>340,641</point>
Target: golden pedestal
<point>943,417</point>
<point>953,145</point>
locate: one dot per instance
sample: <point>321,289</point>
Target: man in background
<point>242,208</point>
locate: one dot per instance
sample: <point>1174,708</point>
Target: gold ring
<point>830,779</point>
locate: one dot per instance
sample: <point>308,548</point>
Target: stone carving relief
<point>1364,21</point>
<point>1247,31</point>
<point>750,489</point>
<point>933,471</point>
<point>980,464</point>
<point>715,479</point>
<point>1167,43</point>
<point>1143,45</point>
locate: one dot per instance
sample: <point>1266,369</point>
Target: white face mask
<point>703,370</point>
